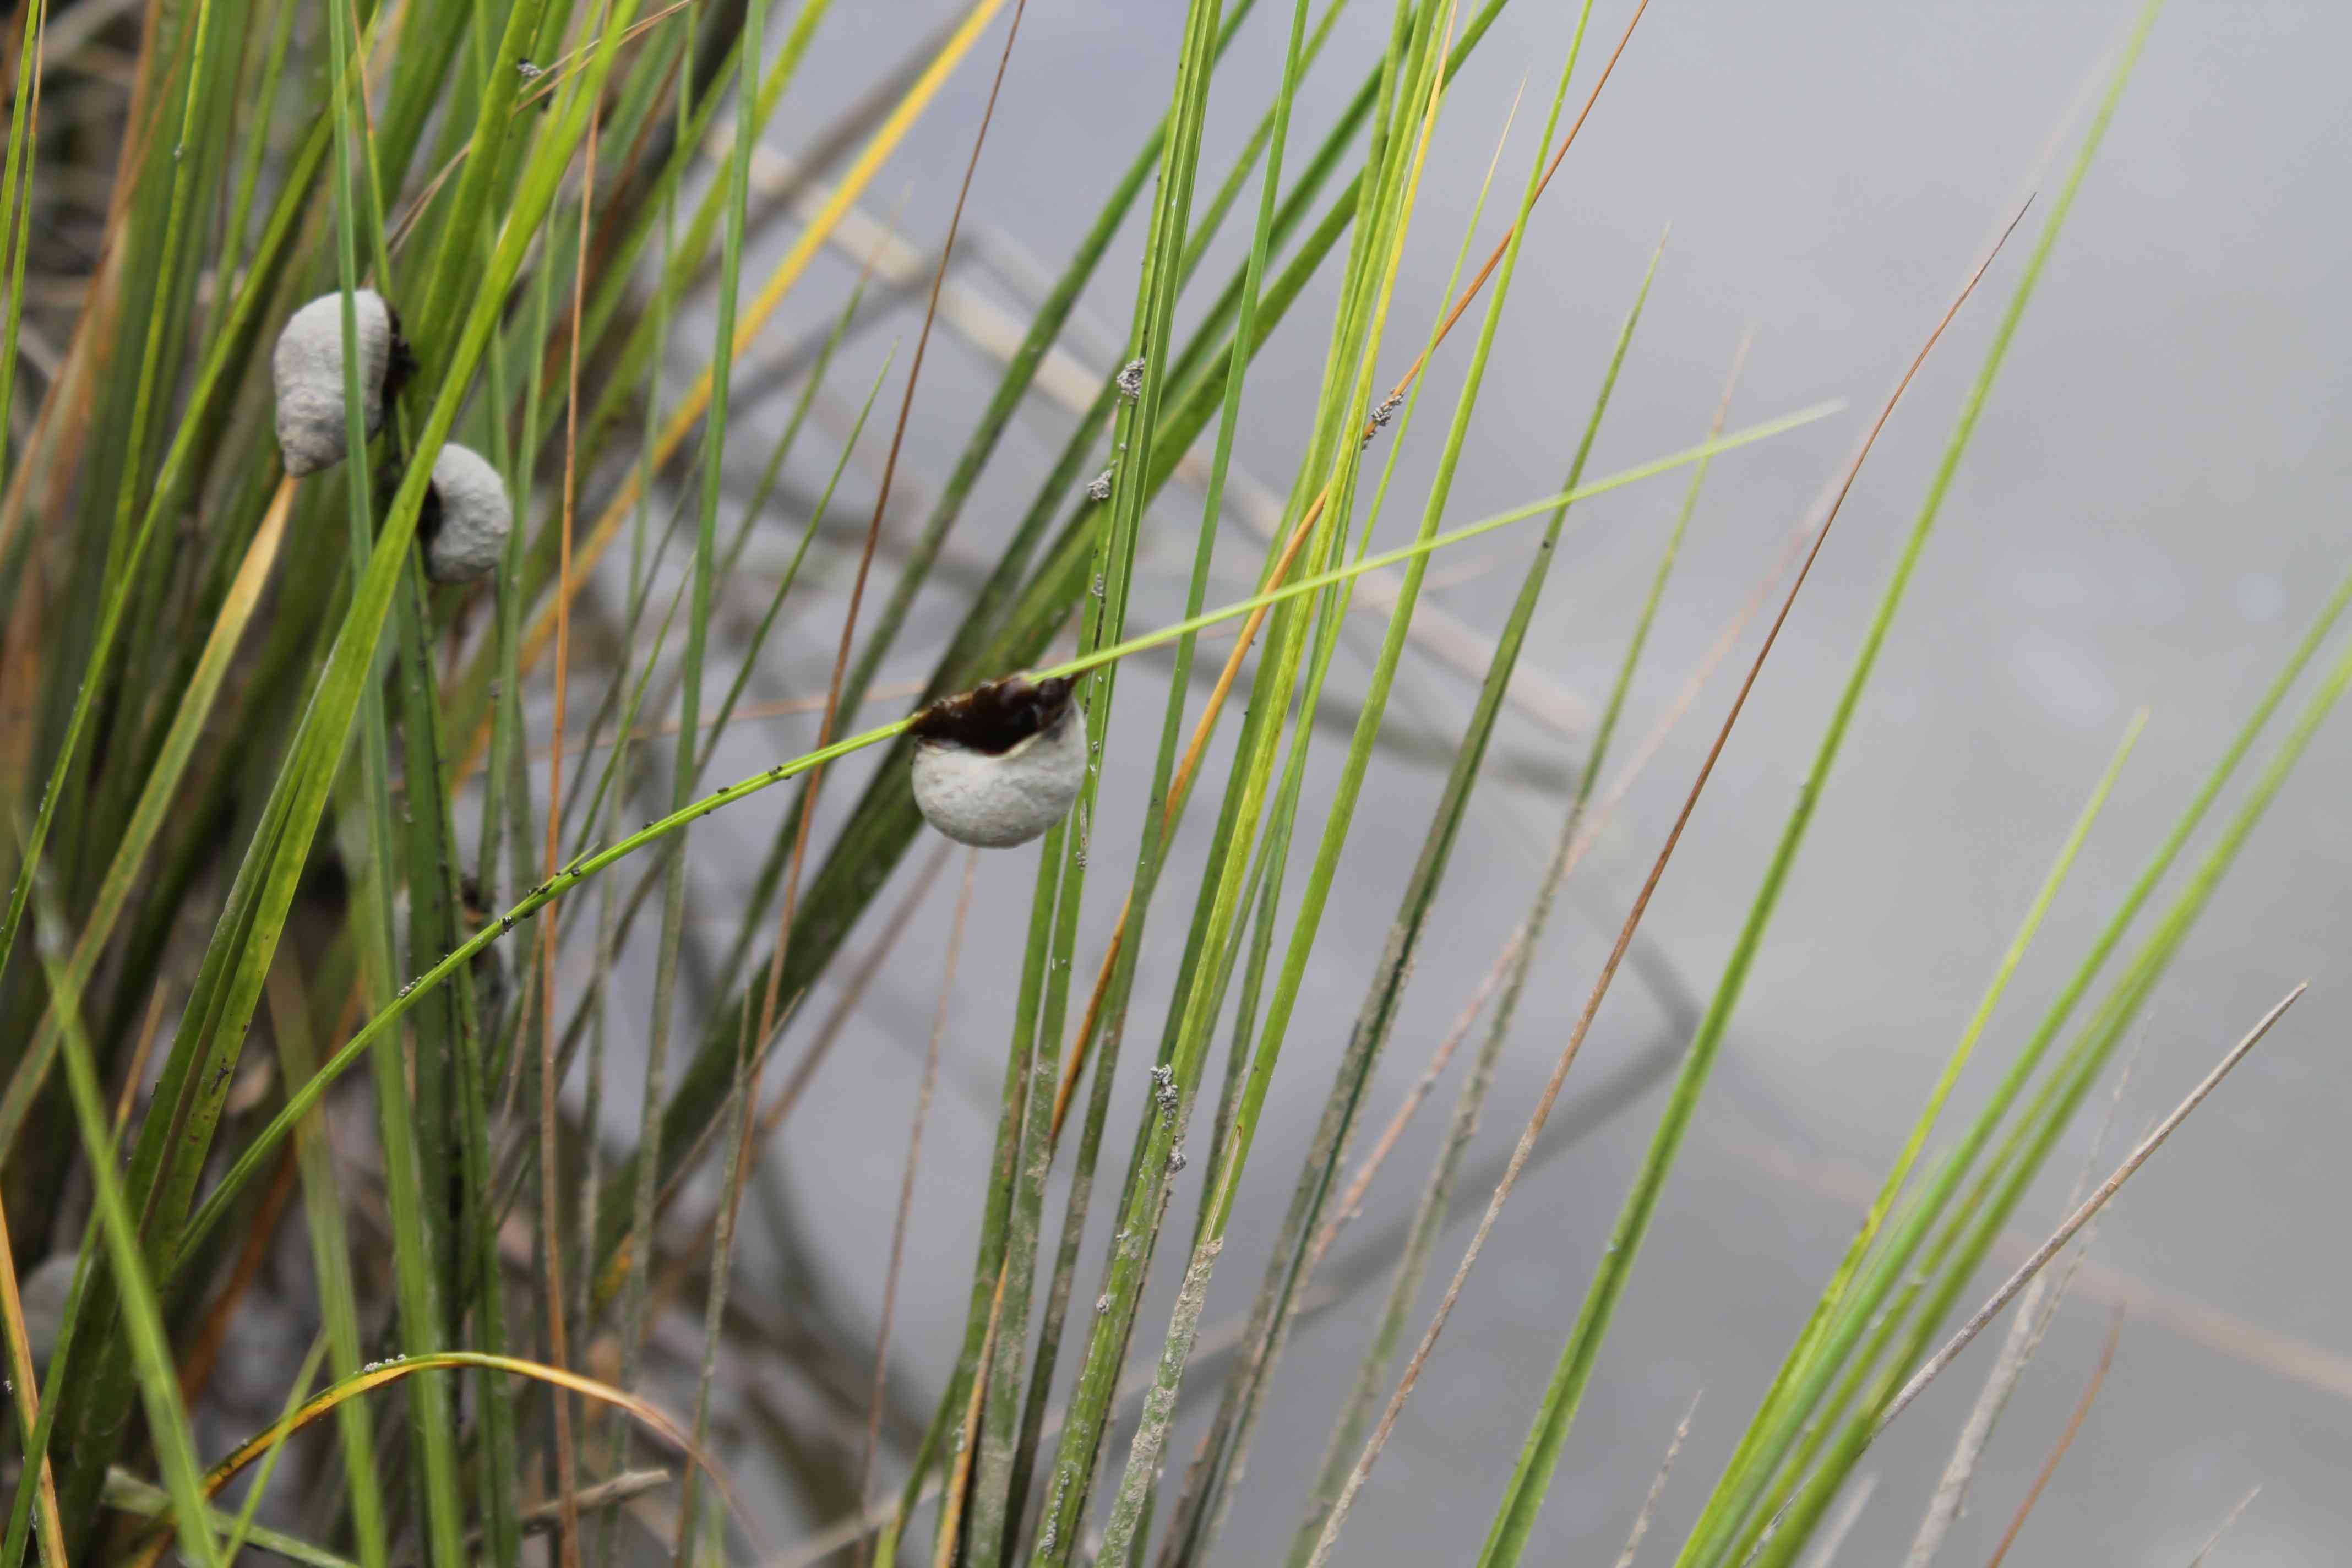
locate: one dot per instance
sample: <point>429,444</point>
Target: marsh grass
<point>257,773</point>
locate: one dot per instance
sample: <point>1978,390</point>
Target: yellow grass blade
<point>788,271</point>
<point>381,1375</point>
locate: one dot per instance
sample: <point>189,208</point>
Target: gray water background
<point>2153,507</point>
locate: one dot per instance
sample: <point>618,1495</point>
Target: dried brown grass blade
<point>2035,1314</point>
<point>28,1391</point>
<point>2089,1207</point>
<point>381,1374</point>
<point>2065,1441</point>
<point>550,1165</point>
<point>620,1488</point>
<point>1206,726</point>
<point>1658,1485</point>
<point>2222,1529</point>
<point>907,1193</point>
<point>1832,1539</point>
<point>1625,935</point>
<point>808,797</point>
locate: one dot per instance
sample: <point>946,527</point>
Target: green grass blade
<point>331,1259</point>
<point>17,219</point>
<point>150,1349</point>
<point>199,1068</point>
<point>2047,1119</point>
<point>1226,1447</point>
<point>1159,810</point>
<point>683,766</point>
<point>249,1163</point>
<point>750,53</point>
<point>69,758</point>
<point>995,1218</point>
<point>1368,292</point>
<point>129,1494</point>
<point>1435,1204</point>
<point>1150,342</point>
<point>1523,1499</point>
<point>1787,1402</point>
<point>1007,629</point>
<point>414,1115</point>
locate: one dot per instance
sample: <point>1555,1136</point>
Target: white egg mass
<point>468,518</point>
<point>1000,763</point>
<point>308,368</point>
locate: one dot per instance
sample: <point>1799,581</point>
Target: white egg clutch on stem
<point>466,516</point>
<point>308,368</point>
<point>1002,763</point>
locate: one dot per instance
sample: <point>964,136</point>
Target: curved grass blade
<point>382,1374</point>
<point>1008,629</point>
<point>247,1164</point>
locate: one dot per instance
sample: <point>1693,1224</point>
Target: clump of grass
<point>255,787</point>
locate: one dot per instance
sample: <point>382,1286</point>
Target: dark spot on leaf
<point>428,517</point>
<point>400,360</point>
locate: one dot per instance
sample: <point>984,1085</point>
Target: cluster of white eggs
<point>993,767</point>
<point>1000,763</point>
<point>468,515</point>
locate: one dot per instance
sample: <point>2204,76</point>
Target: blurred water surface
<point>2153,507</point>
